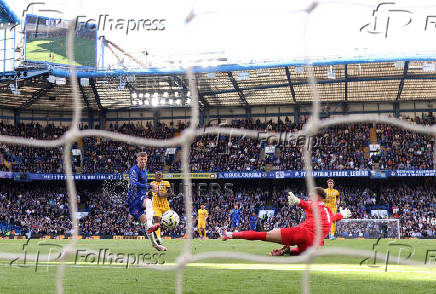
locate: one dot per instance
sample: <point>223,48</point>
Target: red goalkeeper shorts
<point>299,236</point>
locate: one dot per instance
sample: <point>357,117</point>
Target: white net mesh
<point>311,128</point>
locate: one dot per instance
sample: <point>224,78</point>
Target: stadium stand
<point>43,208</point>
<point>337,148</point>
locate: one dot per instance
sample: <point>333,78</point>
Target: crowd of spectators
<point>404,149</point>
<point>43,209</point>
<point>30,159</point>
<point>338,147</point>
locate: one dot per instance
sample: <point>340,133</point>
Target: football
<point>170,219</point>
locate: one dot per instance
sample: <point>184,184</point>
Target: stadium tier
<point>337,148</point>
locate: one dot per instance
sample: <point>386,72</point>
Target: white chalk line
<point>245,266</point>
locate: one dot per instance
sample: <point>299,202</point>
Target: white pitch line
<point>229,266</point>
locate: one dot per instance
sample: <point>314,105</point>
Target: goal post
<point>368,228</point>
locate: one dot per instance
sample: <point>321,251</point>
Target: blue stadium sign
<point>243,175</point>
<point>412,173</point>
<point>332,173</point>
<point>293,174</point>
<point>85,177</point>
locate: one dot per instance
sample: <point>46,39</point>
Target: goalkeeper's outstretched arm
<point>292,199</point>
<point>346,213</point>
<point>343,213</point>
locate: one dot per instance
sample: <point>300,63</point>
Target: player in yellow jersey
<point>203,214</point>
<point>161,190</point>
<point>332,202</point>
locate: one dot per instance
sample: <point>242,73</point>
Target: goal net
<point>350,228</point>
<point>368,228</point>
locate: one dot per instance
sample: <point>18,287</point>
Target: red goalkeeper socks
<point>249,235</point>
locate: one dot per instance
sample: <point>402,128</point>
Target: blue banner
<point>379,174</point>
<point>293,174</point>
<point>87,177</point>
<point>332,173</point>
<point>412,173</point>
<point>289,174</point>
<point>6,175</point>
<point>242,175</point>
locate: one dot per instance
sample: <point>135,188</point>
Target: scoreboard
<point>45,41</point>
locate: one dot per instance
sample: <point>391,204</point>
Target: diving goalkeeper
<point>302,235</point>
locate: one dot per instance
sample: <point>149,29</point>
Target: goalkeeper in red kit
<point>302,235</point>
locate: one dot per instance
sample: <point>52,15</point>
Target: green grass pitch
<point>42,49</point>
<point>332,274</point>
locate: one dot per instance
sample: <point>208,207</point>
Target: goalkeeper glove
<point>346,213</point>
<point>292,200</point>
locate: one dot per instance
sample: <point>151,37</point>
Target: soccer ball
<point>170,219</point>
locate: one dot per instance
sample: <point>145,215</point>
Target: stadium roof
<point>237,86</point>
<point>6,14</point>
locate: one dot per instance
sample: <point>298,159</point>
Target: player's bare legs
<point>156,220</point>
<point>152,228</point>
<point>150,233</point>
<point>147,218</point>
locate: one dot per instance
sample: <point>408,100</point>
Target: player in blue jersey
<point>253,221</point>
<point>235,217</point>
<point>139,203</point>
